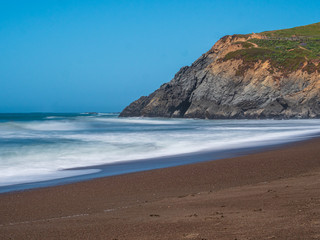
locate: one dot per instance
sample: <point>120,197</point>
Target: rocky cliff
<point>272,74</point>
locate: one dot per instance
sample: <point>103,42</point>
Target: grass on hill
<point>311,31</point>
<point>286,50</point>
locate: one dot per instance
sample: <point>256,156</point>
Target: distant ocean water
<point>39,147</point>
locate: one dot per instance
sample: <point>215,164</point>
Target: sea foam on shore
<point>36,147</point>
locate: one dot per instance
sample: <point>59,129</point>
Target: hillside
<point>286,50</point>
<point>273,74</point>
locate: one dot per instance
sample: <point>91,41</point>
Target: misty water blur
<point>36,147</point>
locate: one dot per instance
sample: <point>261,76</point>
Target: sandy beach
<point>269,195</point>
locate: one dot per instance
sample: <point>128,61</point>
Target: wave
<point>81,141</point>
<point>31,175</point>
<point>139,121</point>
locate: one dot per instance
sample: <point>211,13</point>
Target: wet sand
<point>269,195</point>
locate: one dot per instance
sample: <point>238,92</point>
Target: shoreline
<point>142,165</point>
<point>270,194</point>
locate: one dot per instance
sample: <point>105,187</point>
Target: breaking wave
<point>39,148</point>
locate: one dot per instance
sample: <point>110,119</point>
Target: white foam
<point>89,141</point>
<point>34,175</point>
<point>139,121</point>
<point>52,126</point>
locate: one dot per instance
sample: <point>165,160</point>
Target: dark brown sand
<point>269,195</point>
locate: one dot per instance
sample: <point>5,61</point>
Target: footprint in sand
<point>191,235</point>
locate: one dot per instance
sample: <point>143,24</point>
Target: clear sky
<point>77,55</point>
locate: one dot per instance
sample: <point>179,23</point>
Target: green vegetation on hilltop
<point>311,47</point>
<point>287,50</point>
<point>245,44</point>
<point>311,31</point>
<point>284,61</point>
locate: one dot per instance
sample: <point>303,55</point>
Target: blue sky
<point>77,56</point>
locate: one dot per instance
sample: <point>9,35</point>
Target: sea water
<point>42,149</point>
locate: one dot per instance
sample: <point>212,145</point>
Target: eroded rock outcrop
<point>241,76</point>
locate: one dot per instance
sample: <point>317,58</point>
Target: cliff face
<point>242,76</point>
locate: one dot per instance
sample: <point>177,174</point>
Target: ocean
<point>45,149</point>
